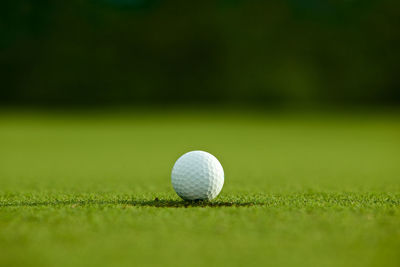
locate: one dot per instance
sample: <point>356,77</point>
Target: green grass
<point>300,189</point>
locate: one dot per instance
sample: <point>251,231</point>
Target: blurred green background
<point>139,52</point>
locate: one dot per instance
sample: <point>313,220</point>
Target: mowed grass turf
<point>93,189</point>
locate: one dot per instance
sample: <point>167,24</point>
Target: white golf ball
<point>197,175</point>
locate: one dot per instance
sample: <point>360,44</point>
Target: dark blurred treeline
<point>153,51</point>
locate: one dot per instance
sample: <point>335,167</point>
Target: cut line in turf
<point>315,200</point>
<point>138,203</point>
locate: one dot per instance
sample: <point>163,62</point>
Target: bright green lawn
<point>300,189</point>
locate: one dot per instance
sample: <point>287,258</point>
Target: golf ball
<point>197,175</point>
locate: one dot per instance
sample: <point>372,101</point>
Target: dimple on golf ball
<point>197,175</point>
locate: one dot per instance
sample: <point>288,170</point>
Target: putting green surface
<point>300,190</point>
